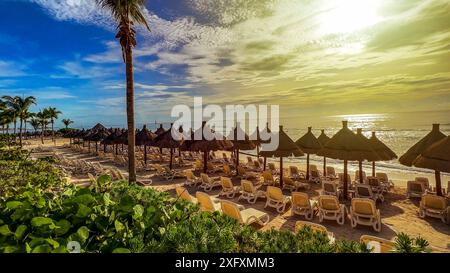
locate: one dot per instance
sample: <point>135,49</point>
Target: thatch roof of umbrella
<point>205,145</point>
<point>111,138</point>
<point>346,145</point>
<point>384,152</point>
<point>99,135</point>
<point>436,157</point>
<point>79,134</point>
<point>122,138</point>
<point>240,140</point>
<point>256,136</point>
<point>323,138</point>
<point>432,137</point>
<point>286,147</point>
<point>87,134</point>
<point>309,143</point>
<point>144,137</point>
<point>166,140</point>
<point>98,127</point>
<point>160,130</point>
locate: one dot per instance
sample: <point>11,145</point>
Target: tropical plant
<point>127,13</point>
<point>52,113</point>
<point>11,103</point>
<point>20,105</point>
<point>67,122</point>
<point>6,118</point>
<point>26,117</point>
<point>43,117</point>
<point>35,123</point>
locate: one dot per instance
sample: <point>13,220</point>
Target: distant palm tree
<point>20,106</point>
<point>67,122</point>
<point>6,118</point>
<point>35,123</point>
<point>52,114</point>
<point>11,103</point>
<point>126,13</point>
<point>26,117</point>
<point>42,117</point>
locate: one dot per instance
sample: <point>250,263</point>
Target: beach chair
<point>328,208</point>
<point>364,212</point>
<point>331,173</point>
<point>191,179</point>
<point>425,182</point>
<point>376,185</point>
<point>299,225</point>
<point>210,168</point>
<point>225,158</point>
<point>198,165</point>
<point>415,189</point>
<point>165,172</point>
<point>357,177</point>
<point>276,199</point>
<point>341,179</point>
<point>365,191</point>
<point>313,167</point>
<point>227,170</point>
<point>250,192</point>
<point>331,188</point>
<point>249,161</point>
<point>228,189</point>
<point>206,202</point>
<point>292,185</point>
<point>243,173</point>
<point>433,206</point>
<point>377,244</point>
<point>448,189</point>
<point>261,161</point>
<point>268,179</point>
<point>256,166</point>
<point>272,168</point>
<point>384,179</point>
<point>302,205</point>
<point>294,173</point>
<point>184,194</point>
<point>315,177</point>
<point>209,183</point>
<point>244,216</point>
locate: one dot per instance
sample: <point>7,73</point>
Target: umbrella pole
<point>104,148</point>
<point>257,152</point>
<point>307,166</point>
<point>324,166</point>
<point>373,168</point>
<point>145,154</point>
<point>171,158</point>
<point>179,152</point>
<point>265,163</point>
<point>205,162</point>
<point>360,172</point>
<point>117,149</point>
<point>160,150</point>
<point>237,161</point>
<point>345,180</point>
<point>437,174</point>
<point>89,146</point>
<point>281,172</point>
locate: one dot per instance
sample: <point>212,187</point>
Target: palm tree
<point>11,103</point>
<point>6,118</point>
<point>52,114</point>
<point>126,13</point>
<point>67,122</point>
<point>27,116</point>
<point>35,123</point>
<point>22,106</point>
<point>42,117</point>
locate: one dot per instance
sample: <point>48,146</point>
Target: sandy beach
<point>398,213</point>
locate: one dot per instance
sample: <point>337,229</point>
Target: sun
<point>347,16</point>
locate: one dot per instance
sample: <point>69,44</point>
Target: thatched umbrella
<point>166,140</point>
<point>143,138</point>
<point>286,147</point>
<point>383,151</point>
<point>99,136</point>
<point>99,127</point>
<point>345,145</point>
<point>432,137</point>
<point>437,158</point>
<point>310,145</point>
<point>258,141</point>
<point>112,138</point>
<point>241,141</point>
<point>368,144</point>
<point>323,139</point>
<point>204,145</point>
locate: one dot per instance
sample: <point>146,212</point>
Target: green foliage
<point>406,244</point>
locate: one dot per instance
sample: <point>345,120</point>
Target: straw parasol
<point>383,151</point>
<point>423,144</point>
<point>111,139</point>
<point>240,144</point>
<point>323,139</point>
<point>203,145</point>
<point>166,140</point>
<point>345,145</point>
<point>258,140</point>
<point>366,142</point>
<point>286,147</point>
<point>98,127</point>
<point>310,145</point>
<point>160,130</point>
<point>99,136</point>
<point>143,138</point>
<point>437,158</point>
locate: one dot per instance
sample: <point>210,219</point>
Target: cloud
<point>81,70</point>
<point>41,93</point>
<point>12,69</point>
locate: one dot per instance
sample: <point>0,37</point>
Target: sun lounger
<point>364,212</point>
<point>365,191</point>
<point>184,194</point>
<point>299,225</point>
<point>433,206</point>
<point>331,173</point>
<point>191,179</point>
<point>384,179</point>
<point>331,188</point>
<point>292,185</point>
<point>415,189</point>
<point>377,244</point>
<point>272,168</point>
<point>243,173</point>
<point>329,209</point>
<point>244,216</point>
<point>228,189</point>
<point>227,170</point>
<point>302,205</point>
<point>209,183</point>
<point>206,202</point>
<point>276,199</point>
<point>315,176</point>
<point>268,179</point>
<point>250,192</point>
<point>294,173</point>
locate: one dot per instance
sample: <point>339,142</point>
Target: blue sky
<point>310,57</point>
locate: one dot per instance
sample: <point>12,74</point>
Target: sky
<point>312,57</point>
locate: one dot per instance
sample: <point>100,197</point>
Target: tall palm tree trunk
<point>20,132</point>
<point>15,125</point>
<point>53,132</point>
<point>130,114</point>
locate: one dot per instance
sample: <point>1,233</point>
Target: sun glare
<point>347,16</point>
